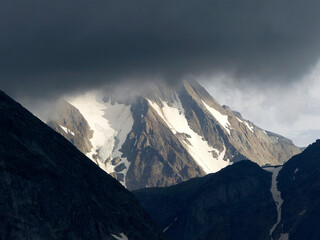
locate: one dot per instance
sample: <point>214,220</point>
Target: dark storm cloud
<point>53,46</point>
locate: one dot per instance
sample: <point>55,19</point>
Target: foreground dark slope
<point>299,183</point>
<point>234,203</point>
<point>50,190</point>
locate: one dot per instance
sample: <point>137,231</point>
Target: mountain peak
<point>168,135</point>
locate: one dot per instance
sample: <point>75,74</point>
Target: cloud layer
<point>51,47</point>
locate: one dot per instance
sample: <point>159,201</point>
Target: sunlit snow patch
<point>111,124</point>
<point>66,130</point>
<point>239,120</point>
<point>248,126</point>
<point>222,119</point>
<point>198,148</point>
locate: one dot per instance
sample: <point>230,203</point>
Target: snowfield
<point>111,124</point>
<point>175,119</point>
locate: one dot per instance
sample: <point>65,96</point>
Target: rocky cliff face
<point>235,203</point>
<point>50,190</point>
<point>166,136</point>
<point>68,121</point>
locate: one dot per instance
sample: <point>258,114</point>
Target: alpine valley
<point>165,135</point>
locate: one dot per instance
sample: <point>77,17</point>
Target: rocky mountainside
<point>243,201</point>
<point>235,203</point>
<point>165,136</point>
<point>50,190</point>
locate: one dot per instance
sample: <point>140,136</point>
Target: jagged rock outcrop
<point>50,190</point>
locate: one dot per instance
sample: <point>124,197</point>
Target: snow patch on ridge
<point>111,124</point>
<point>248,126</point>
<point>222,119</point>
<point>197,147</point>
<point>66,130</point>
<point>276,194</point>
<point>239,120</point>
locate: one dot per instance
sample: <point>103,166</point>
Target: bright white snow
<point>239,120</point>
<point>276,194</point>
<point>248,126</point>
<point>67,130</point>
<point>110,123</point>
<point>122,236</point>
<point>198,148</point>
<point>222,119</point>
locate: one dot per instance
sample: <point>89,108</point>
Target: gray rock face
<point>234,203</point>
<point>172,133</point>
<point>157,157</point>
<point>50,190</point>
<point>68,121</point>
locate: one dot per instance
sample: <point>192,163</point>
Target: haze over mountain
<point>120,72</point>
<point>164,135</point>
<point>266,50</point>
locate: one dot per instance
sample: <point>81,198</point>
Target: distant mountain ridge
<point>165,135</point>
<point>233,204</point>
<point>243,201</point>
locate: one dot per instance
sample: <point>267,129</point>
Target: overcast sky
<point>262,53</point>
<point>292,110</point>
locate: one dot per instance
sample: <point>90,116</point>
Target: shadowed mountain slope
<point>50,190</point>
<point>299,183</point>
<point>235,203</point>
